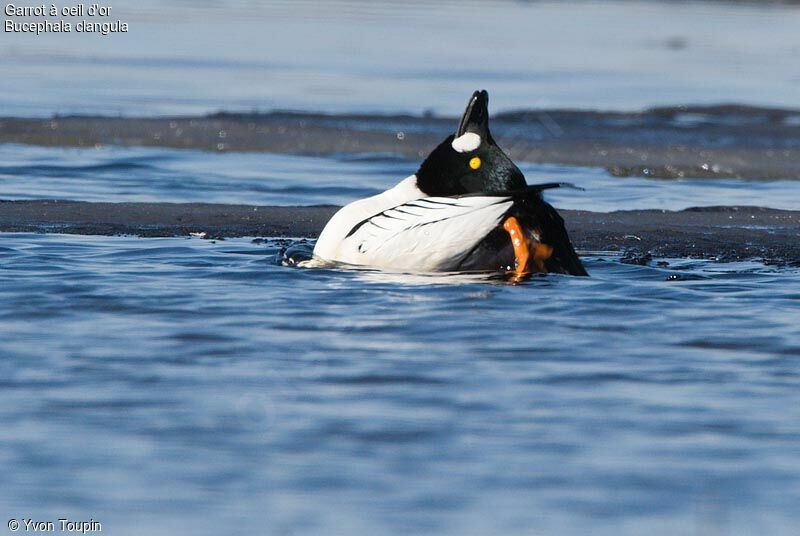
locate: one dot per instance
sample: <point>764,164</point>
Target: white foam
<point>466,142</point>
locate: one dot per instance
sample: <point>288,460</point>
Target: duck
<point>468,208</point>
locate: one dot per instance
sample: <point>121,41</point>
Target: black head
<point>470,161</point>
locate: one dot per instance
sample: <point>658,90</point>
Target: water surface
<point>349,55</point>
<point>119,174</point>
<point>184,384</point>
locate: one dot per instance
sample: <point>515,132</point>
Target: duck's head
<point>469,161</point>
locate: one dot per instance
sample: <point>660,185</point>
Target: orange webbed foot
<point>529,256</point>
<point>521,245</point>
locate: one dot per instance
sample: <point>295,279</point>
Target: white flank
<point>424,235</point>
<point>466,142</point>
<point>331,246</point>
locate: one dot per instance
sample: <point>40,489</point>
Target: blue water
<point>116,174</point>
<point>182,57</point>
<point>178,385</point>
<point>163,386</point>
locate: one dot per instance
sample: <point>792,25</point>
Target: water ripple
<point>589,398</point>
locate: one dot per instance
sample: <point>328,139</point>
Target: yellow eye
<point>475,163</point>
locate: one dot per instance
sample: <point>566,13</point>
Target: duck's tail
<point>548,242</point>
<point>532,237</point>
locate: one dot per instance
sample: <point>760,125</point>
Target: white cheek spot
<point>466,142</point>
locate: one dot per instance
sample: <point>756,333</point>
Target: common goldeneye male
<point>467,208</point>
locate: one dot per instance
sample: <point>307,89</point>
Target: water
<point>146,174</point>
<point>184,57</point>
<point>163,385</point>
<point>174,385</point>
<point>116,174</point>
